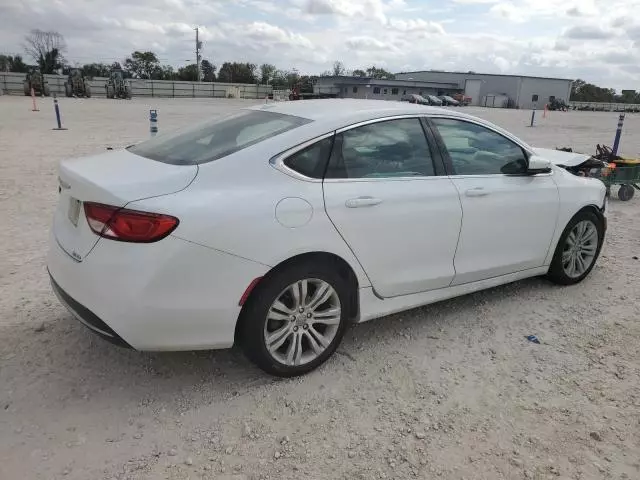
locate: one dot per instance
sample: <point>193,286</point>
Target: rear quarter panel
<point>231,206</point>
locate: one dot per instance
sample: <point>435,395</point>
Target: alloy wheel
<point>302,322</point>
<point>580,249</point>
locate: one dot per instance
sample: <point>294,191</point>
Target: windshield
<point>217,138</point>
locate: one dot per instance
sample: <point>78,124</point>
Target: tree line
<point>582,91</point>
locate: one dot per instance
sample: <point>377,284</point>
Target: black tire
<point>254,315</point>
<point>556,270</point>
<point>626,192</point>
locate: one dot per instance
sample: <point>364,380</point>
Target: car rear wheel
<point>577,249</point>
<point>294,321</point>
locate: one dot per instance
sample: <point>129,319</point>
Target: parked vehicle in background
<point>433,100</point>
<point>449,101</point>
<point>77,85</point>
<point>36,80</point>
<point>415,98</point>
<point>278,227</point>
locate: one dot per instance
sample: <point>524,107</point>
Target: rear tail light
<point>125,225</point>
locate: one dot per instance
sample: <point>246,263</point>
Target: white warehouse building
<point>494,90</point>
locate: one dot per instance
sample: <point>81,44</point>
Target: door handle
<point>362,202</point>
<point>476,192</point>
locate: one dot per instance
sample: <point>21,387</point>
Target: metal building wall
<point>490,83</point>
<point>544,88</point>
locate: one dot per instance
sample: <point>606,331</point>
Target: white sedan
<point>279,226</point>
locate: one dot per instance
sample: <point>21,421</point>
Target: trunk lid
<point>115,178</point>
<point>560,158</point>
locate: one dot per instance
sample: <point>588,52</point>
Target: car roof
<point>337,112</point>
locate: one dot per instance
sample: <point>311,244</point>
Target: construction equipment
<point>620,171</point>
<point>36,80</point>
<point>557,104</point>
<point>76,85</point>
<point>117,86</point>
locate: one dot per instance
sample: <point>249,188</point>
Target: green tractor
<point>117,86</point>
<point>36,80</point>
<point>76,85</point>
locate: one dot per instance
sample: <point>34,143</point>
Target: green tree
<point>375,72</point>
<point>46,48</point>
<point>338,69</point>
<point>13,64</point>
<point>267,73</point>
<point>237,73</point>
<point>208,71</point>
<point>143,65</point>
<point>92,70</point>
<point>359,73</point>
<point>188,73</point>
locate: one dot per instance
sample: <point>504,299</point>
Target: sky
<point>596,40</point>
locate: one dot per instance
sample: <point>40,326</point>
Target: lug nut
<point>301,309</point>
<point>308,315</point>
<point>295,329</point>
<point>292,318</point>
<point>306,327</point>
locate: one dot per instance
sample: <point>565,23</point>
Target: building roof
<point>486,74</point>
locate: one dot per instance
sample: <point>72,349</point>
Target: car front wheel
<point>577,249</point>
<point>295,320</point>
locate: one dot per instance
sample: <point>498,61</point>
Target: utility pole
<point>198,47</point>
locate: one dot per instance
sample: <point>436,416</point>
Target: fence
<point>12,83</point>
<point>605,106</point>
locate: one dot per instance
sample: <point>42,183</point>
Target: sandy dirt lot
<point>450,391</point>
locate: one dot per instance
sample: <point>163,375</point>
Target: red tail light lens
<point>126,225</point>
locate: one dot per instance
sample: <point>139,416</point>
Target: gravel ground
<point>450,391</point>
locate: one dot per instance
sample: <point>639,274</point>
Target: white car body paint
<point>243,214</point>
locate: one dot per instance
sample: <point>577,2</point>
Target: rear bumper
<point>163,296</point>
<point>87,317</point>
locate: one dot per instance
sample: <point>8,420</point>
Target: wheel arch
<point>590,207</point>
<point>343,267</point>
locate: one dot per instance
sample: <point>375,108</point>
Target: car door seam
<point>453,260</point>
<point>324,203</point>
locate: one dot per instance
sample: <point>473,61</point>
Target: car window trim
<point>447,158</point>
<point>436,158</point>
<point>278,160</point>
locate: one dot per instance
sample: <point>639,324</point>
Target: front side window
<point>385,91</point>
<point>534,98</point>
<point>355,89</point>
<point>376,90</point>
<point>217,138</point>
<point>393,148</point>
<point>476,150</point>
<point>394,91</point>
<point>311,161</point>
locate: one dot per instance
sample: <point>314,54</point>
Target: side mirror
<point>538,165</point>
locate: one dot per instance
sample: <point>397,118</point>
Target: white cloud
<point>538,37</point>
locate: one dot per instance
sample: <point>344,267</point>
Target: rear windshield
<point>217,138</point>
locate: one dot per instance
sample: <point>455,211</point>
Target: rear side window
<point>312,161</point>
<point>217,138</point>
<point>392,148</point>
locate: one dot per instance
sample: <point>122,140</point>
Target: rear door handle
<point>362,202</point>
<point>476,192</point>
